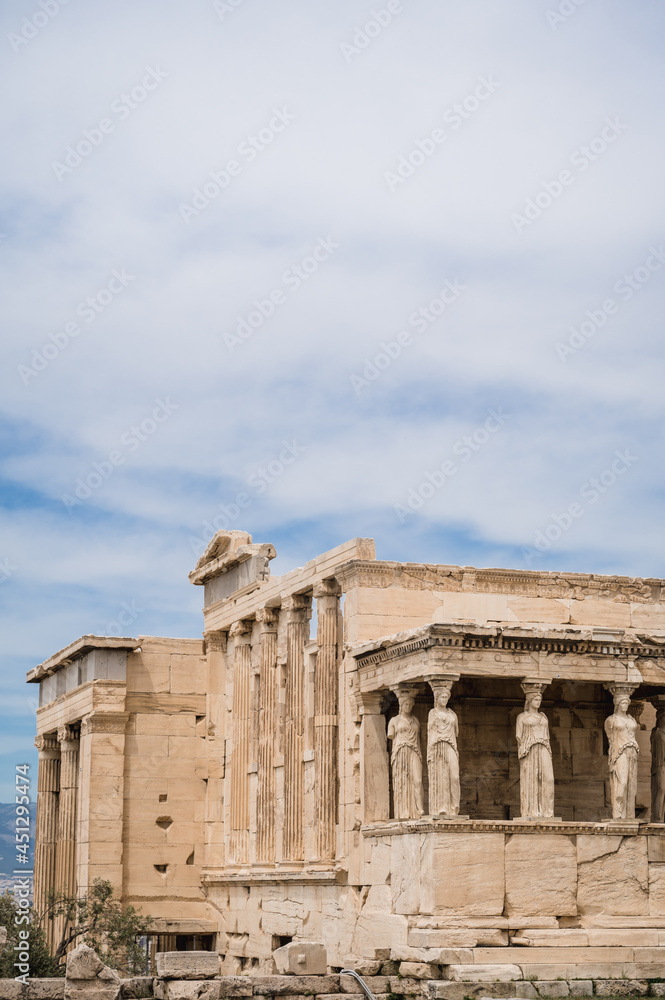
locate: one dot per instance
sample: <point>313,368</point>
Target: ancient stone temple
<point>425,763</point>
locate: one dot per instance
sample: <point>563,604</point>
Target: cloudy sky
<point>316,271</point>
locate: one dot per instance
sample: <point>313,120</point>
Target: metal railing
<point>364,987</point>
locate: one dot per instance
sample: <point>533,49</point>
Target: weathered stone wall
<point>164,772</point>
<point>390,987</point>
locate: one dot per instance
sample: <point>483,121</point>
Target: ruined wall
<point>164,771</point>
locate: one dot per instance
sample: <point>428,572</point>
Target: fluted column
<point>46,836</point>
<point>326,724</point>
<point>265,800</point>
<point>296,608</point>
<point>240,632</point>
<point>65,873</point>
<point>65,864</point>
<point>215,846</point>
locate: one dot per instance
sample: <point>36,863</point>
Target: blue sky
<point>305,255</point>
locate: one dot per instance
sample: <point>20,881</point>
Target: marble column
<point>65,864</point>
<point>296,610</point>
<point>215,650</point>
<point>265,797</point>
<point>65,869</point>
<point>46,835</point>
<point>326,723</point>
<point>374,761</point>
<point>240,632</point>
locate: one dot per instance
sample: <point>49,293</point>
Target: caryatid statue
<point>406,757</point>
<point>535,755</point>
<point>621,729</point>
<point>442,755</point>
<point>658,766</point>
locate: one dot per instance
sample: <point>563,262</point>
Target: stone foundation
<point>329,986</point>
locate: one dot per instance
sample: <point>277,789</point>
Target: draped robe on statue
<point>536,771</point>
<point>443,762</point>
<point>407,766</point>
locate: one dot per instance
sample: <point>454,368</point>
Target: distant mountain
<point>8,837</point>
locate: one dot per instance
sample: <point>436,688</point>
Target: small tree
<point>42,963</point>
<point>103,923</point>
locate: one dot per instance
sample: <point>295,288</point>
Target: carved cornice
<point>510,582</point>
<point>396,828</point>
<point>104,722</point>
<point>276,876</point>
<point>468,637</point>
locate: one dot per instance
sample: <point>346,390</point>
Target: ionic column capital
<point>327,588</point>
<point>47,744</point>
<point>241,632</point>
<point>68,736</point>
<point>215,642</point>
<point>268,619</point>
<point>297,605</point>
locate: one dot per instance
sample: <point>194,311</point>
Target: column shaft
<point>242,666</point>
<point>326,698</point>
<point>265,802</point>
<point>46,834</point>
<point>294,728</point>
<point>65,874</point>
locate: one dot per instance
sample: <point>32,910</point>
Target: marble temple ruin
<point>457,767</point>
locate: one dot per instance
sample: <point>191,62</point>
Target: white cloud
<point>322,176</point>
